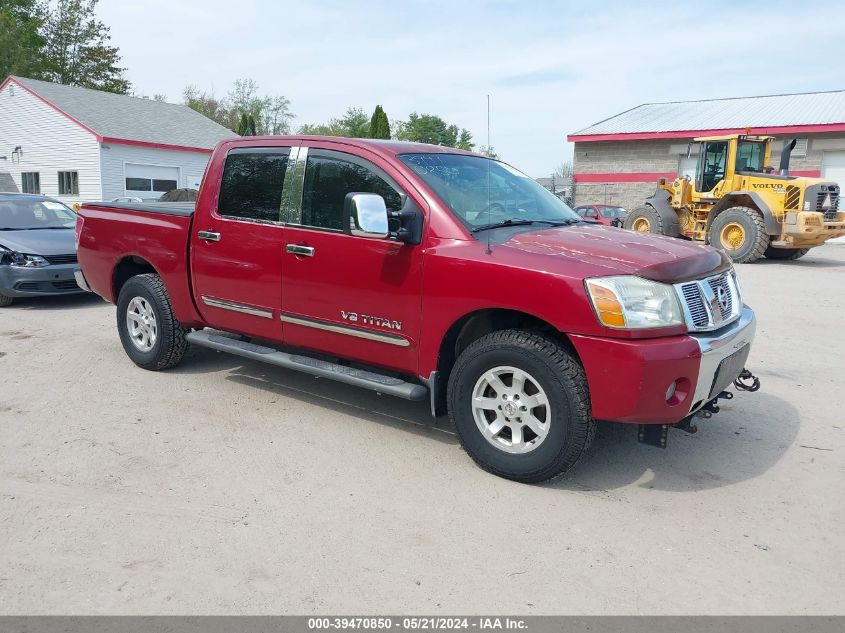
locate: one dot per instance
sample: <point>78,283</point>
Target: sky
<point>550,68</point>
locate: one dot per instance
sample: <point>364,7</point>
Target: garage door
<point>833,168</point>
<point>150,181</point>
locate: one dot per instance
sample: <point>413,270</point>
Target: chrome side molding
<point>390,339</point>
<point>237,307</point>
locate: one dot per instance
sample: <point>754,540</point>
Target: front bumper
<point>31,282</point>
<point>629,379</point>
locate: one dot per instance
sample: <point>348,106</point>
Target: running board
<point>389,385</point>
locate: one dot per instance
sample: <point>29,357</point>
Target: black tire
<point>571,427</point>
<point>6,301</point>
<point>655,222</point>
<point>170,344</point>
<point>785,253</point>
<point>755,241</point>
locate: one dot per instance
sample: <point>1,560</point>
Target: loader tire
<point>740,232</point>
<point>644,220</point>
<point>785,253</point>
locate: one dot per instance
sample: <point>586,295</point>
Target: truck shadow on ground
<point>743,441</point>
<point>747,438</point>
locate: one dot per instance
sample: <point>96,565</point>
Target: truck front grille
<point>710,303</point>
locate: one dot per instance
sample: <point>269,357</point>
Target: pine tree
<point>379,124</point>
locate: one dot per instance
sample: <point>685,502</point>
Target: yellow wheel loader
<point>739,204</point>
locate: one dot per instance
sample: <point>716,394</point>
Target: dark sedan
<point>37,247</point>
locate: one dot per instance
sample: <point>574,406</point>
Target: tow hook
<point>657,434</point>
<point>746,381</point>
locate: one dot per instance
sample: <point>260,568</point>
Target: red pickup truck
<point>426,272</point>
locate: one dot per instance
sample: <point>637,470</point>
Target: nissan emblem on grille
<point>710,303</point>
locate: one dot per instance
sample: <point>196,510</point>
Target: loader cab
<point>721,157</point>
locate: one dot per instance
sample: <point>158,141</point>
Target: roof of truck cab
<point>383,147</point>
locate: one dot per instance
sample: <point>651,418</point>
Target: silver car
<point>37,247</point>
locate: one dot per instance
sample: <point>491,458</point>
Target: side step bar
<point>389,385</point>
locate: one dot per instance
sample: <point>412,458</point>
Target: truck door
<point>342,294</point>
<point>238,243</point>
<point>712,165</point>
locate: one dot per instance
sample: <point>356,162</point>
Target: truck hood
<point>615,251</point>
<point>39,241</point>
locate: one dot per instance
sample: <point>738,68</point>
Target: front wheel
<point>149,331</point>
<point>5,300</point>
<point>740,232</point>
<point>521,406</point>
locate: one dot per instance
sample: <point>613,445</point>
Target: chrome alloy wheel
<point>141,324</point>
<point>511,409</point>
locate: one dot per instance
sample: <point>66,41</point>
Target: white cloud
<point>551,68</point>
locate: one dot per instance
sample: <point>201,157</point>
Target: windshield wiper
<point>512,222</point>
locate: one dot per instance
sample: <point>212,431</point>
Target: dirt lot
<point>226,486</point>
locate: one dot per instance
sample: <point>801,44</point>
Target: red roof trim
<point>11,79</point>
<point>178,148</point>
<point>770,130</point>
<point>624,177</point>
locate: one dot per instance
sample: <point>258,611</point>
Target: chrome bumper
<point>716,347</point>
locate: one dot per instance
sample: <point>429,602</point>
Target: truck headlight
<point>630,302</point>
<point>22,260</point>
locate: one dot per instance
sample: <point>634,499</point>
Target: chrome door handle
<point>298,249</point>
<point>210,236</point>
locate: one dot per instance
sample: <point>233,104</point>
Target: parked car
<point>602,214</point>
<point>357,261</point>
<point>37,247</point>
<point>128,199</point>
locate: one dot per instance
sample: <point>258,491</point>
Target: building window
<point>31,182</point>
<point>150,184</point>
<point>68,183</point>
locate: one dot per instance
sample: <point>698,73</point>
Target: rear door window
<point>251,186</point>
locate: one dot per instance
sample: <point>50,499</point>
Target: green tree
<point>209,105</point>
<point>246,126</point>
<point>379,124</point>
<point>77,49</point>
<point>353,124</point>
<point>430,128</point>
<point>21,42</point>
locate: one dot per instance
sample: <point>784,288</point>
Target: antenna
<point>489,213</point>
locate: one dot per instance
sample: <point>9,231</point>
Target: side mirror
<point>689,150</point>
<point>365,215</point>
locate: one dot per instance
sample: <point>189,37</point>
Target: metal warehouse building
<point>618,160</point>
<point>80,144</point>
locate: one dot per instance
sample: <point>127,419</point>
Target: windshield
<point>483,192</point>
<point>612,212</point>
<point>22,214</point>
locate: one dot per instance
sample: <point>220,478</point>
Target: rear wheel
<point>644,220</point>
<point>521,406</point>
<point>149,331</point>
<point>740,232</point>
<point>785,253</point>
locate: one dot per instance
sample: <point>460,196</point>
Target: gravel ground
<point>226,486</point>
